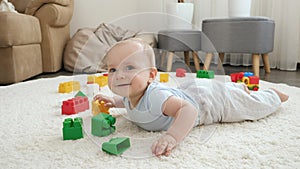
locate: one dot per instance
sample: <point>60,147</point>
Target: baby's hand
<point>109,101</point>
<point>164,145</point>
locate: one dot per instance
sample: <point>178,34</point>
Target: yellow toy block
<point>91,79</point>
<point>68,87</point>
<point>102,80</point>
<point>164,77</point>
<point>98,108</point>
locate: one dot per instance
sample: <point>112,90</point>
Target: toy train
<point>248,78</point>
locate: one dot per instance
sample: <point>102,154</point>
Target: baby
<point>156,107</point>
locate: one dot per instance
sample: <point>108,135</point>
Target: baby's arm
<point>185,115</point>
<point>115,101</point>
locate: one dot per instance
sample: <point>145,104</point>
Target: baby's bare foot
<point>246,89</point>
<point>283,97</point>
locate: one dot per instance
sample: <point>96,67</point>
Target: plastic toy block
<point>91,79</point>
<point>72,129</point>
<point>205,74</point>
<point>102,125</point>
<point>80,93</point>
<point>102,80</point>
<point>164,77</point>
<point>247,74</point>
<point>248,78</point>
<point>98,108</point>
<point>68,87</point>
<point>237,77</point>
<point>116,145</point>
<point>75,105</point>
<point>180,72</point>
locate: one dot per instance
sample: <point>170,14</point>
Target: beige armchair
<point>33,40</point>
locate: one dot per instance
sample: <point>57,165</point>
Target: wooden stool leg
<point>162,58</point>
<point>207,61</point>
<point>170,61</point>
<point>266,62</point>
<point>187,58</point>
<point>196,60</point>
<point>220,62</point>
<point>255,64</point>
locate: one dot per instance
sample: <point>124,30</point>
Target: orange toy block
<point>164,77</point>
<point>98,108</point>
<point>68,87</point>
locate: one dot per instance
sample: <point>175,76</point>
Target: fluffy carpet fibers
<point>31,136</point>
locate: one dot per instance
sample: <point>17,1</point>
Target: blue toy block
<point>247,74</point>
<point>102,125</point>
<point>72,129</point>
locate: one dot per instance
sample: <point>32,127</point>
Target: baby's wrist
<point>172,136</point>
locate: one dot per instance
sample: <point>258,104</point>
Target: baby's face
<point>128,72</point>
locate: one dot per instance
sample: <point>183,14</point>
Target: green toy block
<point>116,145</point>
<point>80,93</point>
<point>205,74</point>
<point>72,129</point>
<point>102,124</point>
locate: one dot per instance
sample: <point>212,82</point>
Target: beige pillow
<point>81,53</point>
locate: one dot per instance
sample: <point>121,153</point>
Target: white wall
<point>91,13</point>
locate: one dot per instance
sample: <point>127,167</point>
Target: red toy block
<point>235,77</point>
<point>180,72</point>
<point>75,105</point>
<point>254,79</point>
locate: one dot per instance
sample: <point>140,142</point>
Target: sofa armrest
<point>52,12</point>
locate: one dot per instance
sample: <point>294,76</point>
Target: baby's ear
<point>152,74</point>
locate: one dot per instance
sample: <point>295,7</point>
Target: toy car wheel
<point>255,88</point>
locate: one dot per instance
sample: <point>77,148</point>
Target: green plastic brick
<point>116,145</point>
<point>72,129</point>
<point>205,74</point>
<point>102,125</point>
<point>80,93</point>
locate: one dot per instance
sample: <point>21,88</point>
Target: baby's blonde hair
<point>146,49</point>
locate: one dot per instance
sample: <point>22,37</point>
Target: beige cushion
<point>81,54</point>
<point>19,29</point>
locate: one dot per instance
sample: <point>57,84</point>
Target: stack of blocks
<point>102,123</point>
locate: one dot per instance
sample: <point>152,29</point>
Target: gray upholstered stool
<point>179,41</point>
<point>253,35</point>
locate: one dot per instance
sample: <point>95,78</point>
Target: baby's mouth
<point>122,85</point>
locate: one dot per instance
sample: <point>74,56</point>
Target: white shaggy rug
<point>31,136</point>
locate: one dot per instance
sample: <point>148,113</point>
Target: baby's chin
<point>120,93</point>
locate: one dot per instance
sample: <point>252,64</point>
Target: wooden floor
<point>277,76</point>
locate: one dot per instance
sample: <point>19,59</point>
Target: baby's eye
<point>129,67</point>
<point>111,70</point>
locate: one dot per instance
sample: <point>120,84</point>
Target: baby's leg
<point>241,86</point>
<point>283,97</point>
<point>256,105</point>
